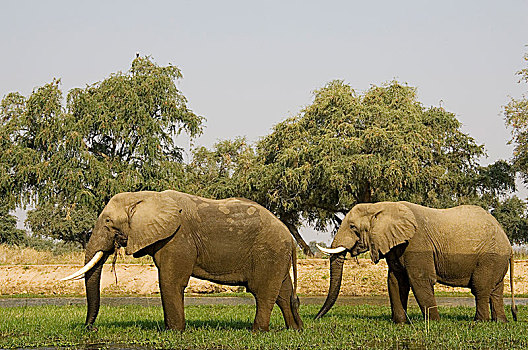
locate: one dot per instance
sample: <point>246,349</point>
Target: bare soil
<point>360,278</point>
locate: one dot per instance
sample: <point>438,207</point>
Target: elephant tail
<point>294,265</point>
<point>294,299</point>
<point>513,306</point>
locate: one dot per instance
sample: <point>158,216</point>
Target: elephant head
<point>131,220</point>
<point>367,227</point>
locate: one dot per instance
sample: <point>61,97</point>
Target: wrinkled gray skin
<point>231,241</point>
<point>462,247</point>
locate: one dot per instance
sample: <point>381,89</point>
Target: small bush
<point>9,233</point>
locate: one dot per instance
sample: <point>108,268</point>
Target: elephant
<point>231,241</point>
<point>463,246</point>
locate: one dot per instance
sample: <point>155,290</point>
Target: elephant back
<point>225,231</point>
<point>462,229</point>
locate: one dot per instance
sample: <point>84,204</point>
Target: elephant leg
<point>482,300</point>
<point>264,301</point>
<point>481,287</point>
<point>289,305</point>
<point>174,271</point>
<point>265,287</point>
<point>423,291</point>
<point>497,303</point>
<point>398,284</point>
<point>172,302</point>
<point>422,280</point>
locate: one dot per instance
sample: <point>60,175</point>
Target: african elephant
<point>462,246</point>
<point>231,241</point>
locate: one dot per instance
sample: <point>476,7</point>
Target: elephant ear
<point>392,224</point>
<point>151,219</point>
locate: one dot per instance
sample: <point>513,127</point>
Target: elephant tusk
<point>78,278</point>
<point>331,250</point>
<point>87,267</point>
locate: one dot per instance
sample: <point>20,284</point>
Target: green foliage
<point>496,179</point>
<point>511,214</point>
<point>112,136</point>
<point>220,172</point>
<point>68,224</point>
<point>9,233</point>
<point>12,175</point>
<point>489,186</point>
<point>57,248</point>
<point>347,148</point>
<point>516,116</point>
<point>68,158</point>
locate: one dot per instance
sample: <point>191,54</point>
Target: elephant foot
<point>400,320</point>
<point>90,328</point>
<point>175,328</point>
<point>481,318</point>
<point>295,327</point>
<point>500,320</point>
<point>432,318</point>
<point>259,329</point>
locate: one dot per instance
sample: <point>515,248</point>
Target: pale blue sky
<point>249,65</point>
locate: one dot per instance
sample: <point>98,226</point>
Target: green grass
<point>120,294</point>
<point>228,327</point>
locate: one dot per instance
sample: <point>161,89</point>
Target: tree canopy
<point>511,213</point>
<point>347,148</point>
<point>112,136</point>
<point>221,172</point>
<point>516,116</point>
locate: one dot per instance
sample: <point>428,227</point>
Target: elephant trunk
<point>92,281</point>
<point>336,274</point>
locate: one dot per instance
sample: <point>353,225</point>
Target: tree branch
<point>295,233</point>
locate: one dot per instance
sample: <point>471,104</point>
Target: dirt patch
<point>361,278</point>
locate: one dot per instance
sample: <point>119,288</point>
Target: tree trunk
<point>300,241</point>
<point>366,194</point>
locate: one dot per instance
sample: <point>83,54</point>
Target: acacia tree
<point>347,148</point>
<point>511,213</point>
<point>112,136</point>
<point>10,183</point>
<point>222,171</point>
<point>13,174</point>
<point>516,117</point>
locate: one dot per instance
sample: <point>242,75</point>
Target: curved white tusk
<point>78,277</point>
<point>85,268</point>
<point>331,250</point>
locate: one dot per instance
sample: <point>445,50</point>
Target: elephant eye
<point>354,229</point>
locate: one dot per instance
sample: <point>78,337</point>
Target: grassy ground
<point>227,327</point>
